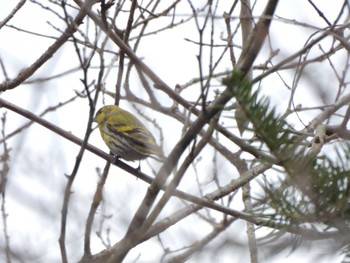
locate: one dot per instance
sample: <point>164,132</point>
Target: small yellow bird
<point>125,135</point>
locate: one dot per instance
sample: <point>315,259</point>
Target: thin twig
<point>26,73</point>
<point>3,183</point>
<point>13,12</point>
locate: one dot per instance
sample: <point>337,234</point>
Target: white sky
<point>40,158</point>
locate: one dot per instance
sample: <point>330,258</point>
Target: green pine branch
<point>313,190</point>
<point>271,129</point>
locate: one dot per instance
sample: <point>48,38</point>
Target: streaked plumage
<point>125,135</point>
